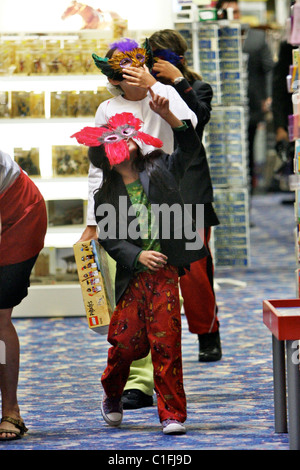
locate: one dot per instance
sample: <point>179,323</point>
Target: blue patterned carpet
<point>230,403</point>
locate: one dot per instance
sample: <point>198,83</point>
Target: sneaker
<point>134,399</point>
<point>112,410</point>
<point>172,426</point>
<point>210,349</point>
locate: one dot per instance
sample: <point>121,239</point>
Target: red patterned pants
<point>148,317</point>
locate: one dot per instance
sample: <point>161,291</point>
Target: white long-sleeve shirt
<point>153,125</point>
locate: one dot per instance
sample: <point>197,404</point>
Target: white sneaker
<point>112,410</point>
<point>172,426</point>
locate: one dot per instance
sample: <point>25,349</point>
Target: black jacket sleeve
<point>198,98</point>
<point>187,148</point>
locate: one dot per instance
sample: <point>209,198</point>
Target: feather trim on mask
<point>124,45</point>
<point>111,67</point>
<point>167,54</point>
<point>105,67</point>
<point>114,136</point>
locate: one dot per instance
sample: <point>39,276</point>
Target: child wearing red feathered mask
<point>147,313</point>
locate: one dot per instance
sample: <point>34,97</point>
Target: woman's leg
<point>9,371</point>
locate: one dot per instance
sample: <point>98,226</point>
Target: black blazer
<point>125,250</point>
<point>196,185</point>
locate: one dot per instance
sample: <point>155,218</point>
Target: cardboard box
<point>96,284</point>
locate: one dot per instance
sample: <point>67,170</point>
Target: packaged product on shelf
<point>37,105</point>
<point>53,56</point>
<point>69,160</point>
<point>42,266</point>
<point>23,59</point>
<point>73,103</point>
<point>119,27</point>
<point>297,157</point>
<point>102,95</point>
<point>207,14</point>
<point>20,104</point>
<point>65,265</point>
<point>55,266</point>
<point>231,243</point>
<point>96,284</point>
<point>39,63</point>
<point>59,104</point>
<point>4,105</point>
<point>6,58</point>
<point>29,160</point>
<point>65,212</point>
<point>88,103</point>
<point>70,60</point>
<point>87,63</point>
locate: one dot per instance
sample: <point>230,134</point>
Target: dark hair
<point>148,162</point>
<point>220,3</point>
<point>173,40</point>
<point>109,55</point>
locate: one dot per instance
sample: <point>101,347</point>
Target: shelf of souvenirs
<point>66,213</point>
<point>59,171</point>
<point>54,53</point>
<point>50,97</point>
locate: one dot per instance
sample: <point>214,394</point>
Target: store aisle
<point>230,403</point>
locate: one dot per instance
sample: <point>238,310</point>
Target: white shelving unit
<point>59,299</point>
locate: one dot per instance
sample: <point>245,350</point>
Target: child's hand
<point>153,260</point>
<point>159,104</point>
<point>138,76</point>
<point>166,70</point>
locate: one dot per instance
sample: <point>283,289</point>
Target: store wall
<point>45,15</point>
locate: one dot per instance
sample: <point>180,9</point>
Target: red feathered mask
<point>114,136</point>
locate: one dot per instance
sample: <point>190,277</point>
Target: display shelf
<point>216,54</point>
<point>38,83</point>
<point>63,236</point>
<point>54,291</point>
<point>52,301</point>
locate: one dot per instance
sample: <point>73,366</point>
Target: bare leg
<point>9,372</point>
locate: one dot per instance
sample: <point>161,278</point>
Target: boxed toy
<point>96,284</point>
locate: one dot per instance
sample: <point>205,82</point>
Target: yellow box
<point>96,284</point>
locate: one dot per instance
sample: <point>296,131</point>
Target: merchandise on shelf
<point>216,53</point>
<point>65,212</point>
<point>54,266</point>
<point>29,160</point>
<point>70,160</point>
<point>40,104</point>
<point>4,104</point>
<point>27,104</point>
<point>225,143</point>
<point>77,103</point>
<point>55,54</point>
<point>231,237</point>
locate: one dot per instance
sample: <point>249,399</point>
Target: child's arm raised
<point>160,106</point>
